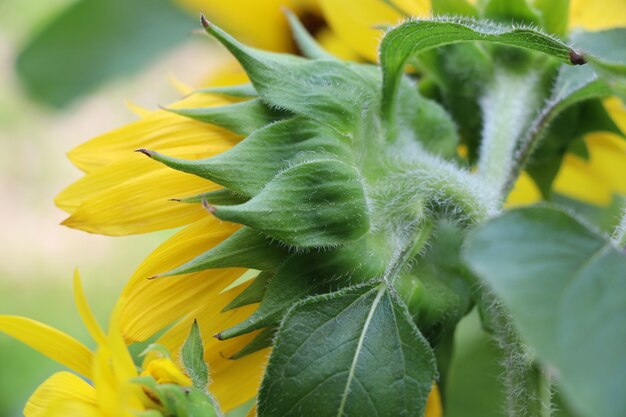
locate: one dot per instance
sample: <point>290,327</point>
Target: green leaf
<point>555,15</point>
<point>246,248</point>
<point>607,54</point>
<point>242,118</point>
<point>436,289</point>
<point>564,286</point>
<point>567,115</point>
<point>574,85</point>
<point>192,358</point>
<point>311,204</point>
<point>93,41</point>
<point>416,36</point>
<point>352,353</point>
<point>574,110</point>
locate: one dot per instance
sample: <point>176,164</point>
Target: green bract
<point>354,202</point>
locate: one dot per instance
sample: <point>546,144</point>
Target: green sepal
<point>148,413</point>
<point>461,72</point>
<point>290,284</point>
<point>246,248</point>
<point>305,42</point>
<point>318,203</point>
<point>222,197</point>
<point>335,95</point>
<point>355,352</point>
<point>249,166</point>
<point>508,11</point>
<point>261,341</point>
<point>188,401</point>
<point>242,118</point>
<point>436,289</point>
<point>426,122</point>
<point>454,8</point>
<point>253,293</point>
<point>246,90</point>
<point>416,36</point>
<point>192,359</point>
<point>311,273</point>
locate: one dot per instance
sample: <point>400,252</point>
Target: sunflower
<point>113,391</point>
<point>124,193</point>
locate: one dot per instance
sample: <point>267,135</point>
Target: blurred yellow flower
<point>125,193</point>
<point>110,367</point>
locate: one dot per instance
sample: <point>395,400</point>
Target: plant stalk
<point>619,235</point>
<point>508,107</point>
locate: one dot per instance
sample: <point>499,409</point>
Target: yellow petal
<point>524,192</point>
<point>160,129</point>
<point>60,387</point>
<point>85,312</point>
<point>107,386</point>
<point>49,341</point>
<point>617,110</point>
<point>138,110</point>
<point>139,169</point>
<point>257,23</point>
<point>244,373</point>
<point>597,14</point>
<point>164,371</point>
<point>597,179</point>
<point>76,409</point>
<point>433,405</point>
<point>355,22</point>
<point>252,412</point>
<point>147,306</point>
<point>335,45</point>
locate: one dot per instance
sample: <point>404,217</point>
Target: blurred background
<point>58,90</point>
<point>38,127</point>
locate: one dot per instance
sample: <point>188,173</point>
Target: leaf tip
<point>144,151</point>
<point>205,23</point>
<point>576,58</point>
<point>209,207</point>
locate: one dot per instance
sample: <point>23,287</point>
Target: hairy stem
<point>507,107</point>
<point>619,235</point>
<point>528,390</point>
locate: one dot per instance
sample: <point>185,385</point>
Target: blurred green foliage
<point>92,41</point>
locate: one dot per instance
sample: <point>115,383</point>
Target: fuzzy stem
<point>619,235</point>
<point>528,390</point>
<point>507,107</point>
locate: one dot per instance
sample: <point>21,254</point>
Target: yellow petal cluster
<point>110,368</point>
